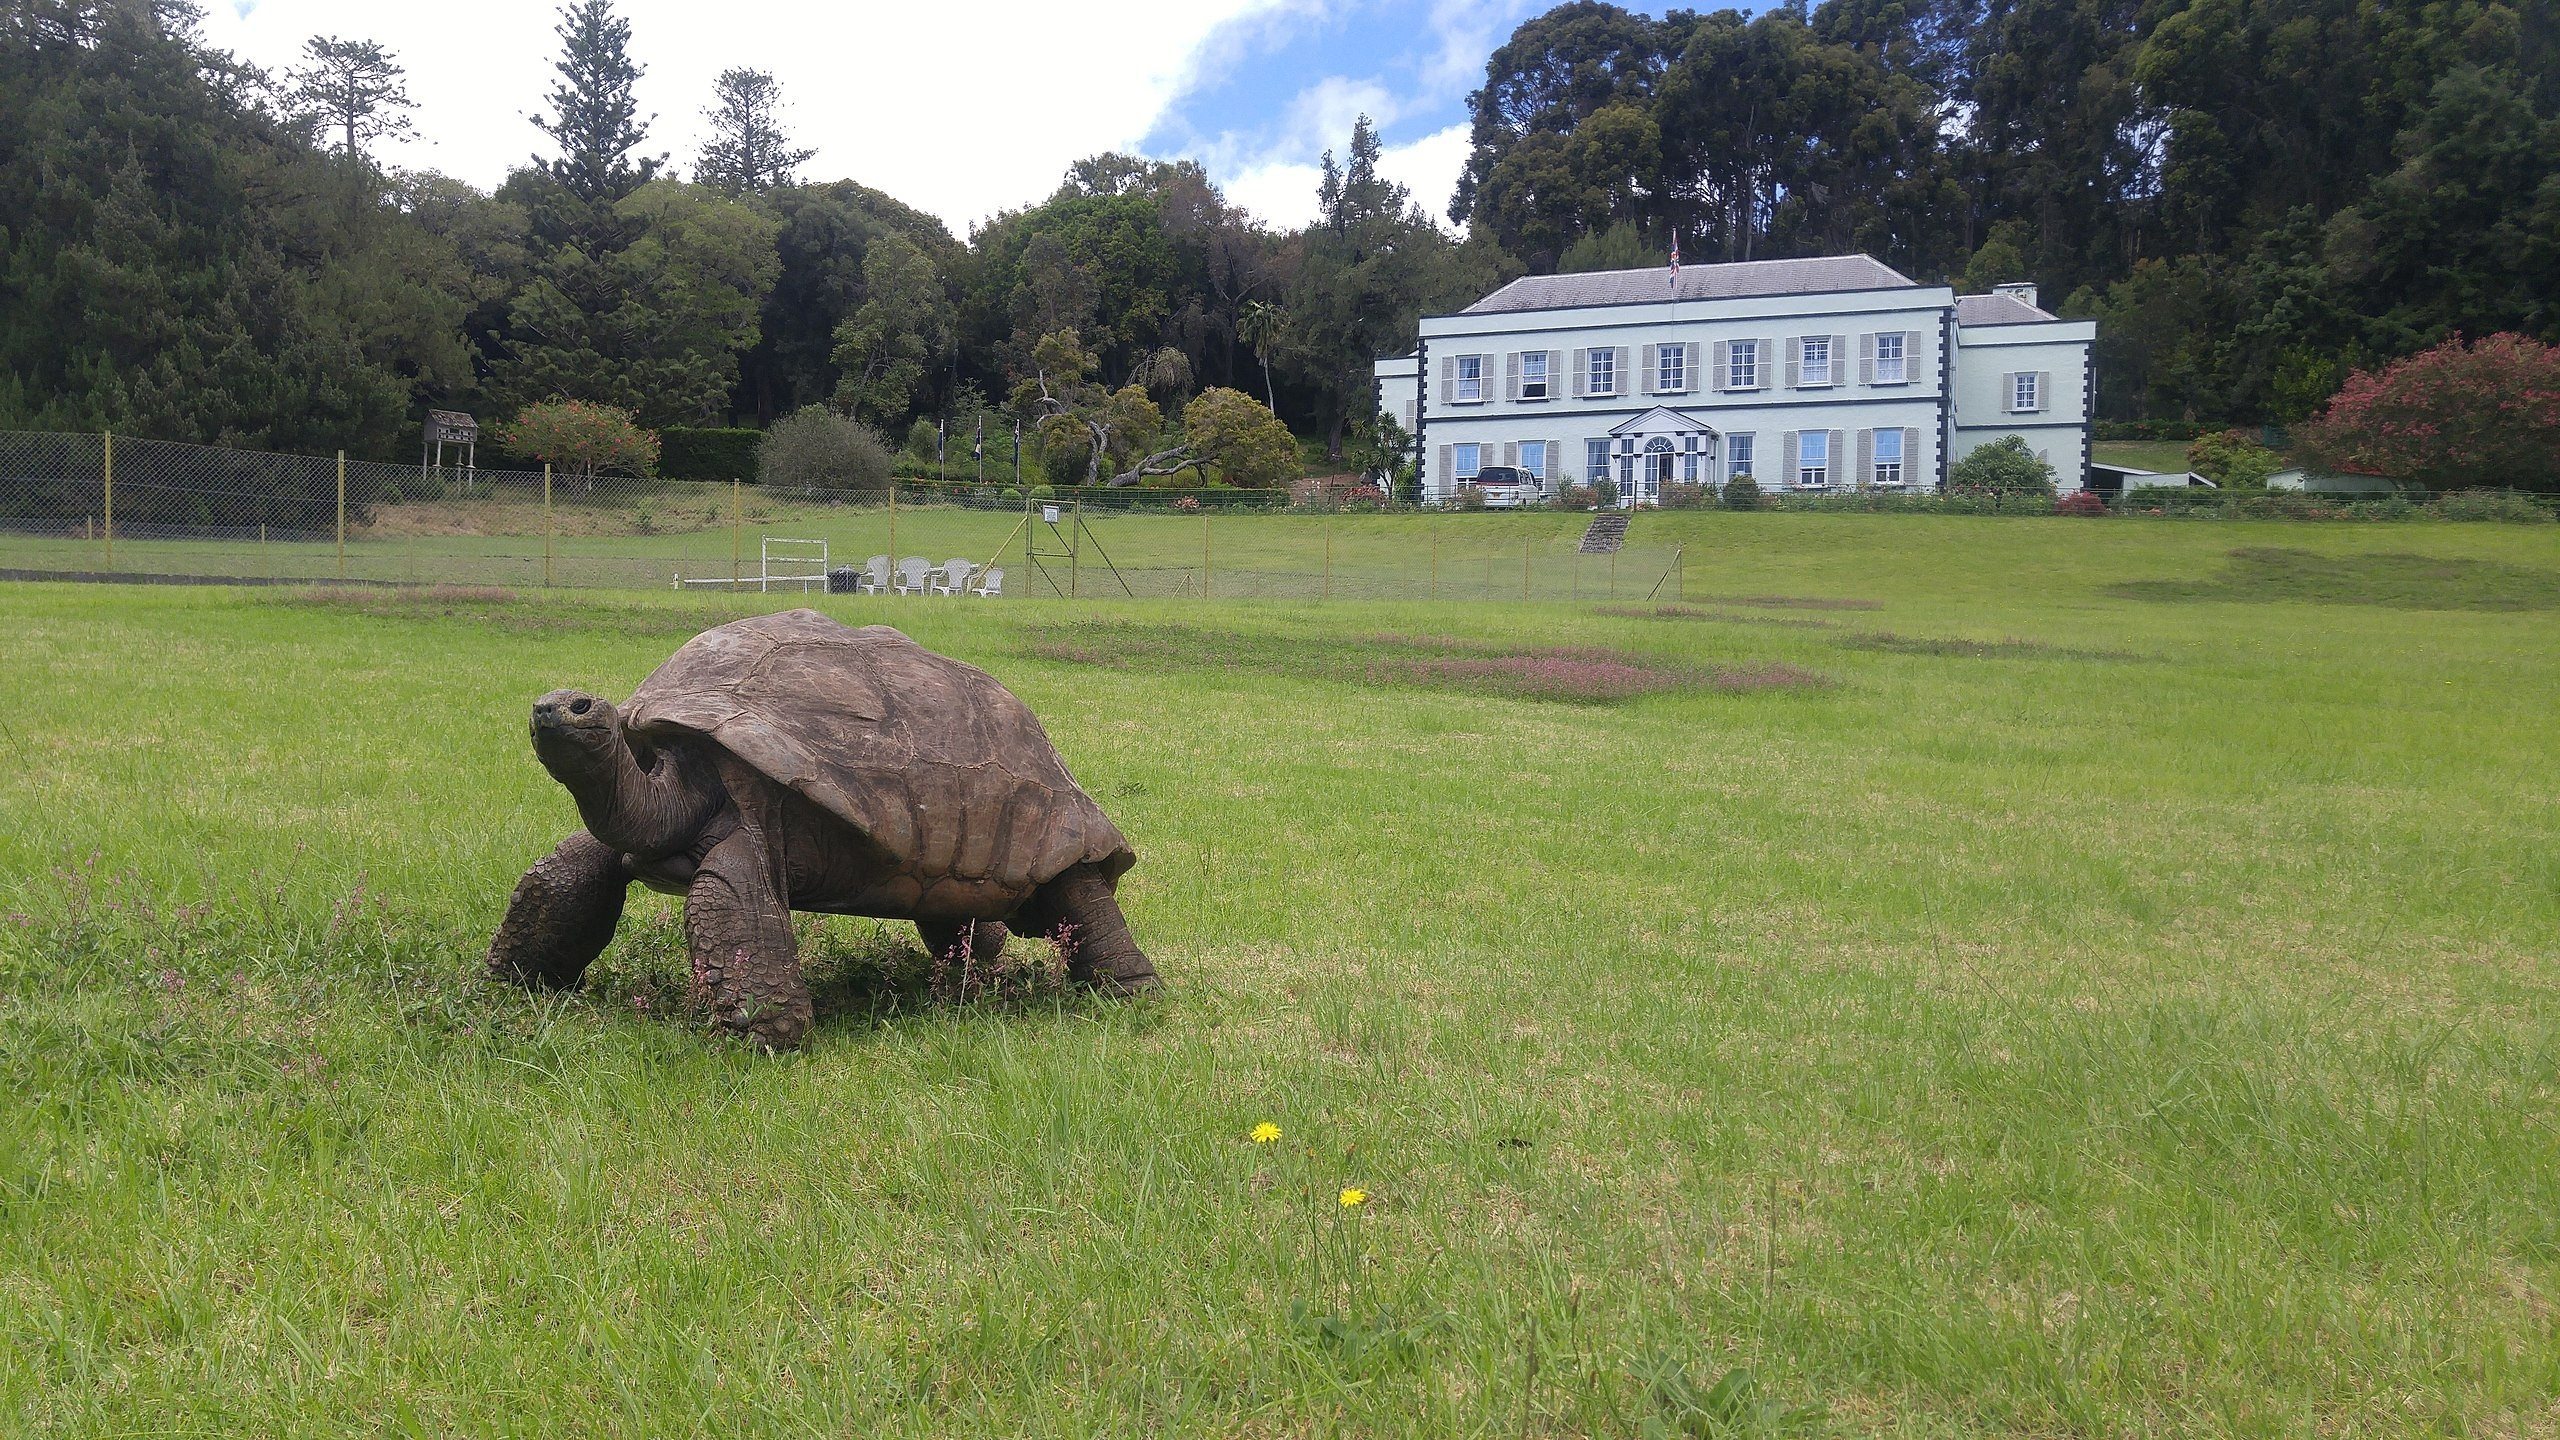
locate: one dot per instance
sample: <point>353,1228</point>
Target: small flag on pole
<point>1675,258</point>
<point>941,440</point>
<point>978,445</point>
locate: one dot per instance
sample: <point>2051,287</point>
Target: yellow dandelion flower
<point>1353,1196</point>
<point>1264,1133</point>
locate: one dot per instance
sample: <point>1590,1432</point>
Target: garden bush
<point>816,448</point>
<point>2460,416</point>
<point>2491,505</point>
<point>1742,493</point>
<point>2233,460</point>
<point>1468,497</point>
<point>2005,467</point>
<point>2081,502</point>
<point>1684,495</point>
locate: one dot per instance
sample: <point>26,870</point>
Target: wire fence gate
<point>100,506</point>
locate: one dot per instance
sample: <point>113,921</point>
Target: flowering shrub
<point>1681,495</point>
<point>582,439</point>
<point>2081,502</point>
<point>1468,497</point>
<point>2481,415</point>
<point>1188,504</point>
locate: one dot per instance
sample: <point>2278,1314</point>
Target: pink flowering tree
<point>583,440</point>
<point>2484,414</point>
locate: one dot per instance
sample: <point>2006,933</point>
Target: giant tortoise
<point>788,762</point>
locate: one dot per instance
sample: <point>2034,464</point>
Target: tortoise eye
<point>581,706</point>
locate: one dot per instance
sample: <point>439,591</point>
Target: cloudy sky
<point>961,109</point>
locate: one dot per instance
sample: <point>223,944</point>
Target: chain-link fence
<point>84,505</point>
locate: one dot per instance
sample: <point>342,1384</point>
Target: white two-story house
<point>1830,373</point>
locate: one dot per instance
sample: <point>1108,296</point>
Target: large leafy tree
<point>885,349</point>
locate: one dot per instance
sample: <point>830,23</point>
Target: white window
<point>1689,467</point>
<point>1602,375</point>
<point>1671,371</point>
<point>1465,461</point>
<point>1742,365</point>
<point>1888,457</point>
<point>1533,458</point>
<point>2023,396</point>
<point>1595,460</point>
<point>1470,378</point>
<point>1890,361</point>
<point>1737,457</point>
<point>1813,459</point>
<point>1817,360</point>
<point>1533,375</point>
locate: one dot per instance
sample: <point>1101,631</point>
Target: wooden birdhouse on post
<point>450,427</point>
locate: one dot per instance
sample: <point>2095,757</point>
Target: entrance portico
<point>1658,448</point>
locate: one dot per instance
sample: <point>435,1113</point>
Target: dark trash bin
<point>844,580</point>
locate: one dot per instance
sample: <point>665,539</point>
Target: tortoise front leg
<point>1079,911</point>
<point>562,915</point>
<point>745,961</point>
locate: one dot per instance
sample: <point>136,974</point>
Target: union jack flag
<point>1675,259</point>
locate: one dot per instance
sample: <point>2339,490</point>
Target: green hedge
<point>685,453</point>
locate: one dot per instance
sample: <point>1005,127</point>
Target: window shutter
<point>1866,359</point>
<point>1511,376</point>
<point>1581,372</point>
<point>1625,354</point>
<point>1840,360</point>
<point>1511,452</point>
<point>1448,469</point>
<point>1866,457</point>
<point>1787,458</point>
<point>1652,367</point>
<point>1839,459</point>
<point>1768,362</point>
<point>1448,378</point>
<point>1910,453</point>
<point>1795,360</point>
<point>1555,461</point>
<point>1689,368</point>
<point>2044,389</point>
<point>1555,367</point>
<point>1911,356</point>
<point>1719,366</point>
<point>2009,391</point>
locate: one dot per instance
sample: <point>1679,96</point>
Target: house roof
<point>1998,310</point>
<point>1813,275</point>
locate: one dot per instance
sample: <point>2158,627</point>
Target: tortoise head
<point>578,738</point>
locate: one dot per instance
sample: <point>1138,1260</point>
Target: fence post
<point>1613,574</point>
<point>1680,574</point>
<point>342,514</point>
<point>109,529</point>
<point>1435,562</point>
<point>1524,567</point>
<point>737,536</point>
<point>1328,560</point>
<point>893,528</point>
<point>1204,554</point>
<point>546,525</point>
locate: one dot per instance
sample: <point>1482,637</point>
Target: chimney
<point>2017,290</point>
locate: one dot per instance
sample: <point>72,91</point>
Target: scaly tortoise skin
<point>788,762</point>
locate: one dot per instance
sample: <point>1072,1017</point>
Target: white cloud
<point>958,110</point>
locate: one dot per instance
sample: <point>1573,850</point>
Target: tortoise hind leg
<point>1079,911</point>
<point>745,961</point>
<point>561,916</point>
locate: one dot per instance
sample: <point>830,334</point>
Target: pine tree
<point>595,119</point>
<point>353,89</point>
<point>748,152</point>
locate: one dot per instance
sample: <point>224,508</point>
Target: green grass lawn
<point>2163,455</point>
<point>2108,989</point>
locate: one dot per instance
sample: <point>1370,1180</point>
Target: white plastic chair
<point>953,578</point>
<point>990,585</point>
<point>875,575</point>
<point>914,575</point>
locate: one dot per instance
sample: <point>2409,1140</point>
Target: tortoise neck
<point>649,810</point>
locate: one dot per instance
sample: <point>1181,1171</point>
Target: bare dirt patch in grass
<point>1695,612</point>
<point>1572,674</point>
<point>2391,578</point>
<point>1794,602</point>
<point>2010,648</point>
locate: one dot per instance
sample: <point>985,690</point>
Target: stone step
<point>1608,533</point>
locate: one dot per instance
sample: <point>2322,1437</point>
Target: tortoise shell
<point>929,758</point>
